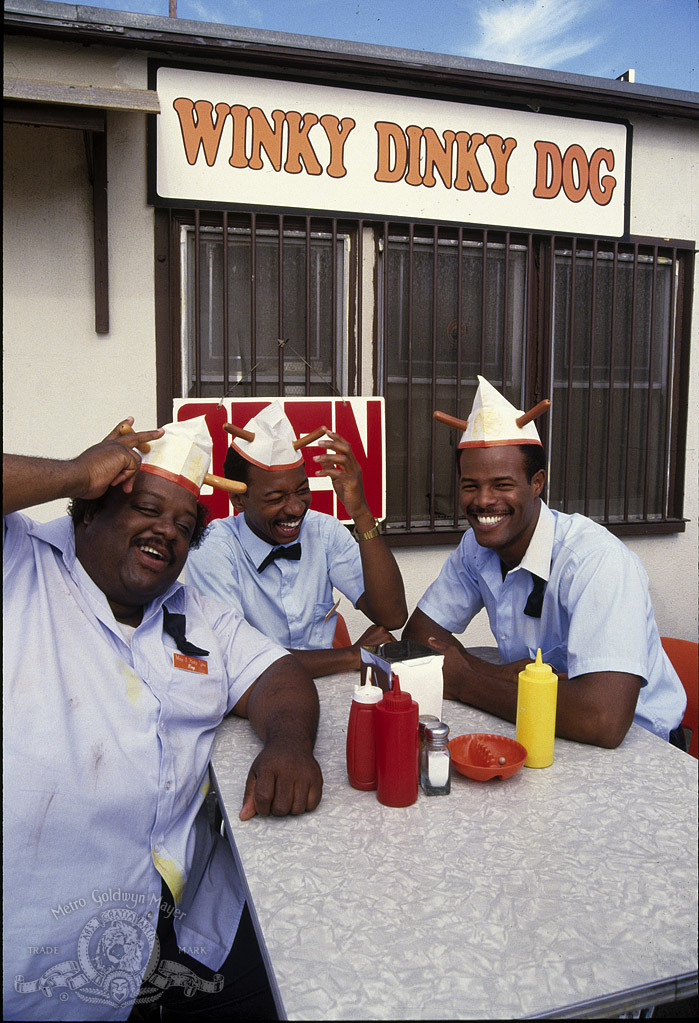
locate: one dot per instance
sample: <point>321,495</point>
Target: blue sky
<point>658,38</point>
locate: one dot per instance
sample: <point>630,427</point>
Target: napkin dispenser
<point>417,666</point>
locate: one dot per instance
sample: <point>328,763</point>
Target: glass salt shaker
<point>435,761</point>
<point>423,721</point>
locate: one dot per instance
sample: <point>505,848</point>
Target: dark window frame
<point>539,314</point>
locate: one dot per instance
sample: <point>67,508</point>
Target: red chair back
<point>342,636</point>
<point>685,660</point>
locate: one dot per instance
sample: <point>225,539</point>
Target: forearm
<point>597,708</point>
<point>489,687</point>
<point>282,706</point>
<point>328,662</point>
<point>383,600</point>
<point>29,481</point>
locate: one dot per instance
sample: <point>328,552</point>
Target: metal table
<point>557,892</point>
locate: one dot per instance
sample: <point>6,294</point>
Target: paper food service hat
<point>268,439</point>
<point>493,420</point>
<point>183,455</point>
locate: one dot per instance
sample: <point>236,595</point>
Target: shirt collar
<point>537,557</point>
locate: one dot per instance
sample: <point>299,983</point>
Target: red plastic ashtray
<point>482,756</point>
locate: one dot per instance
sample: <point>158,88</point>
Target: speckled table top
<point>503,900</point>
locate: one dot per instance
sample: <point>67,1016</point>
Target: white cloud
<point>228,12</point>
<point>537,33</point>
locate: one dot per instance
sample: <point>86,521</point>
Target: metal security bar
<point>614,363</point>
<point>260,304</point>
<point>266,312</point>
<point>454,304</point>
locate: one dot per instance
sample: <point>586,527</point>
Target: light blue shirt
<point>106,755</point>
<point>289,600</point>
<point>596,615</point>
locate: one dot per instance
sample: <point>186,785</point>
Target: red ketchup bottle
<point>396,747</point>
<point>361,736</point>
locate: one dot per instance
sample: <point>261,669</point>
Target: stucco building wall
<point>66,386</point>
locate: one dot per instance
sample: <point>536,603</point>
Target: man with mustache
<point>276,562</point>
<point>561,583</point>
<point>117,676</point>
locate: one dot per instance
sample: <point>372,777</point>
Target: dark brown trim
<point>681,375</point>
<point>451,538</point>
<point>100,211</point>
<point>164,348</point>
<point>53,115</point>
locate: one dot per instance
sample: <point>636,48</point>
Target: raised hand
<point>115,459</point>
<point>344,471</point>
<point>29,480</point>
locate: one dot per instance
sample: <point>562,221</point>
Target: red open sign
<point>361,421</point>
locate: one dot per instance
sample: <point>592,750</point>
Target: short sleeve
<point>606,597</point>
<point>344,561</point>
<point>246,652</point>
<point>212,569</point>
<point>454,598</point>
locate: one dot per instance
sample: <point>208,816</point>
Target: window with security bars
<point>280,324</point>
<point>615,381</point>
<point>453,307</point>
<point>599,327</point>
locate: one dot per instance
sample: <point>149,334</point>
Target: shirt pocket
<point>202,694</point>
<point>322,631</point>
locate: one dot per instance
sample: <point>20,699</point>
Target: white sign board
<point>226,140</point>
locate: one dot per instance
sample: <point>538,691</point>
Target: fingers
<point>342,460</point>
<point>437,645</point>
<point>268,793</point>
<point>248,808</point>
<point>113,461</point>
<point>375,635</point>
<point>135,440</point>
<point>125,426</point>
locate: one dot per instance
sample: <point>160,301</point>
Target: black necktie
<point>536,598</point>
<point>175,626</point>
<point>292,553</point>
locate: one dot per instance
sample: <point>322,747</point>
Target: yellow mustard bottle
<point>536,712</point>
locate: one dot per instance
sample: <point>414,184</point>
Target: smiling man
<point>561,583</point>
<point>276,562</point>
<point>116,678</point>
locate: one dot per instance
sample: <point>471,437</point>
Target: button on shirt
<point>288,600</point>
<point>596,615</point>
<point>106,754</point>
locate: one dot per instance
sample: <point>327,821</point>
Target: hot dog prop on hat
<point>183,456</point>
<point>494,421</point>
<point>268,439</point>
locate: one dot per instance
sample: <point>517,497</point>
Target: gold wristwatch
<point>370,534</point>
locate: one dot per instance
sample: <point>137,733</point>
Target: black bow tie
<point>175,626</point>
<point>536,598</point>
<point>291,553</point>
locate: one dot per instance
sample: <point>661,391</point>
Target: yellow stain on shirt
<point>206,787</point>
<point>133,684</point>
<point>171,875</point>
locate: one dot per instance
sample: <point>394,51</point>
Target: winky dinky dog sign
<point>226,140</point>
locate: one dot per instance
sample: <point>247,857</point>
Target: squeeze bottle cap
<point>368,693</point>
<point>538,671</point>
<point>394,699</point>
